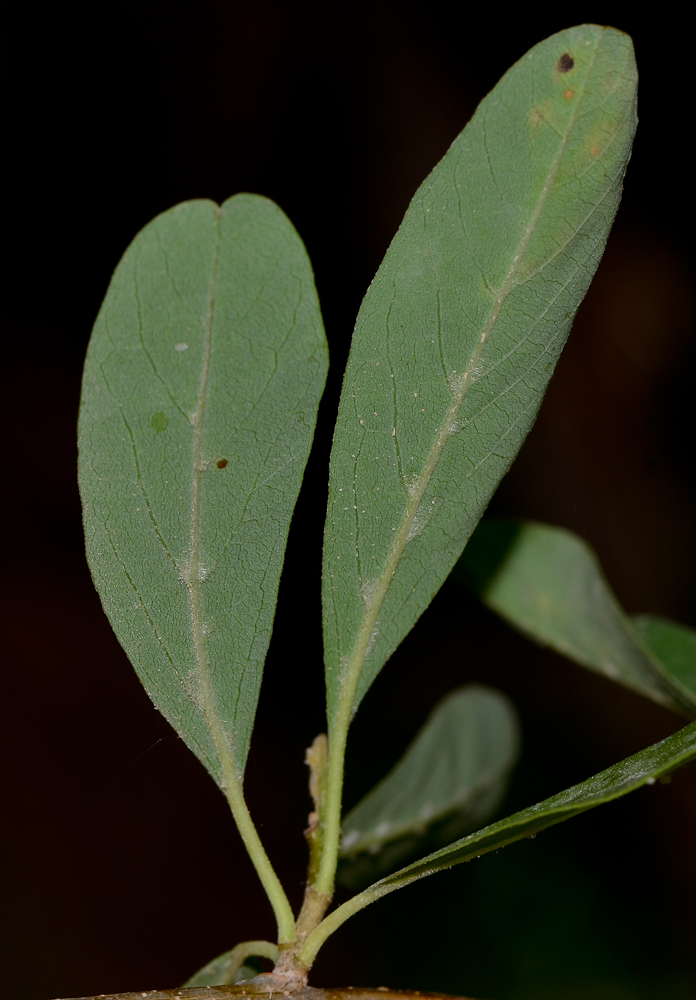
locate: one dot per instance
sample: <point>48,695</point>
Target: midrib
<point>378,594</point>
<point>194,582</point>
<point>231,781</point>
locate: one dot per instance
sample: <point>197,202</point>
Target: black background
<point>121,867</point>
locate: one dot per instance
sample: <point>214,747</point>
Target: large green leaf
<point>200,394</point>
<point>548,583</point>
<point>450,780</point>
<point>626,776</point>
<point>459,334</point>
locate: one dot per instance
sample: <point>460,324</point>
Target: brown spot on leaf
<point>565,63</point>
<point>568,94</point>
<point>222,463</point>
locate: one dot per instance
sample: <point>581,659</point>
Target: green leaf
<point>620,779</point>
<point>673,645</point>
<point>459,334</point>
<point>548,583</point>
<point>633,772</point>
<point>199,400</point>
<point>221,971</point>
<point>450,779</point>
<point>229,967</point>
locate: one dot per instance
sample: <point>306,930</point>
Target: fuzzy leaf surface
<point>459,333</point>
<point>199,401</point>
<point>452,778</point>
<point>548,583</point>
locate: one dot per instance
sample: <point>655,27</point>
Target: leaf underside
<point>451,779</point>
<point>459,333</point>
<point>547,582</point>
<point>199,400</point>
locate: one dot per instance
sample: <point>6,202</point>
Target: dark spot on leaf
<point>565,63</point>
<point>160,422</point>
<point>222,463</point>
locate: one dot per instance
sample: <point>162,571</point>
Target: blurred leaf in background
<point>451,779</point>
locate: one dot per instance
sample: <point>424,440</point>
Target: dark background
<point>121,867</point>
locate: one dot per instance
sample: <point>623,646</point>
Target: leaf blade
<point>620,779</point>
<point>416,457</point>
<point>455,770</point>
<point>642,768</point>
<point>548,583</point>
<point>199,400</point>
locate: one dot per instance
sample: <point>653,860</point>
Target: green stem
<point>331,832</point>
<point>334,920</point>
<point>247,949</point>
<point>269,880</point>
<point>225,967</point>
<point>315,903</point>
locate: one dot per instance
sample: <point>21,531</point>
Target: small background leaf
<point>199,399</point>
<point>547,582</point>
<point>231,967</point>
<point>450,779</point>
<point>459,333</point>
<point>222,971</point>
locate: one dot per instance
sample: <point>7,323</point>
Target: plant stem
<point>315,902</point>
<point>225,967</point>
<point>264,869</point>
<point>331,827</point>
<point>331,923</point>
